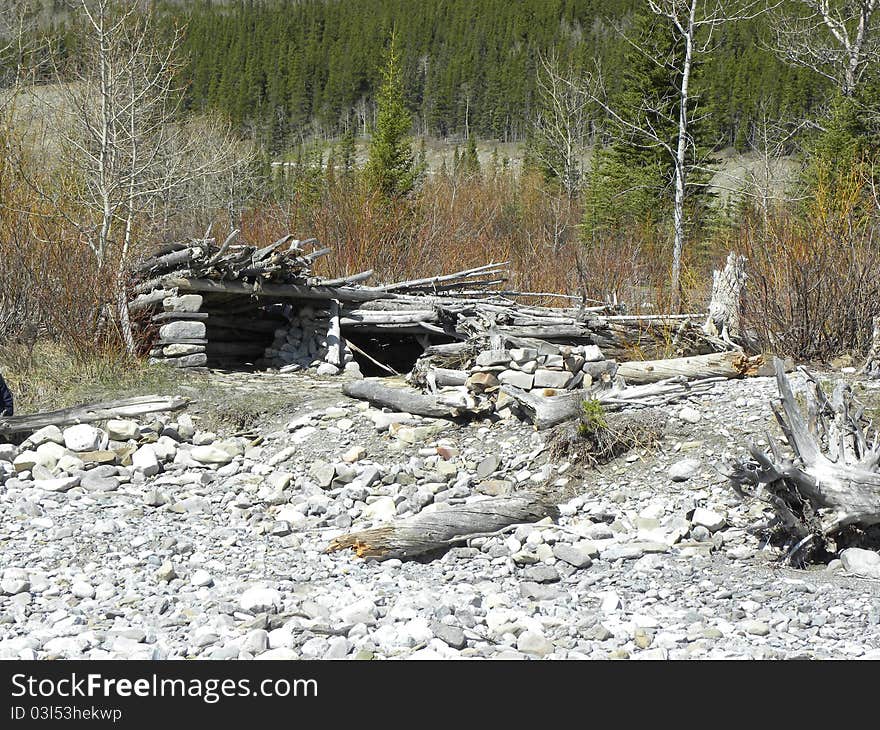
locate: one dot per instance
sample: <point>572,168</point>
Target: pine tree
<point>470,159</point>
<point>347,151</point>
<point>630,179</point>
<point>390,168</point>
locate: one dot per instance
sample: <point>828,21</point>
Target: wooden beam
<point>276,291</point>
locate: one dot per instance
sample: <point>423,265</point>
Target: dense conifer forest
<point>294,69</point>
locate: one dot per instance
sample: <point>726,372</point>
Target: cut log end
<point>366,544</point>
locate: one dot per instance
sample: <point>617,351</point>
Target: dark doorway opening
<point>397,351</point>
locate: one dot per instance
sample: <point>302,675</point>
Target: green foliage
<point>631,178</point>
<point>347,152</point>
<point>470,162</point>
<point>288,68</point>
<point>593,418</point>
<point>849,138</point>
<point>391,168</point>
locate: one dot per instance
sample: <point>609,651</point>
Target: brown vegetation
<point>814,274</point>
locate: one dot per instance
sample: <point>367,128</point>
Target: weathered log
<point>346,280</point>
<point>451,349</point>
<point>572,332</point>
<point>90,412</point>
<point>465,275</point>
<point>443,377</point>
<point>275,291</point>
<point>229,239</point>
<point>150,299</point>
<point>169,260</point>
<point>358,316</point>
<point>402,398</point>
<point>714,365</point>
<point>548,411</point>
<point>315,255</point>
<point>434,530</point>
<point>175,316</point>
<point>162,341</point>
<point>833,480</point>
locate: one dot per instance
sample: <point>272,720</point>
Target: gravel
<point>216,549</point>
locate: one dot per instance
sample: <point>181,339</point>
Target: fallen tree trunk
<point>548,411</point>
<point>404,399</point>
<point>833,481</point>
<point>714,365</point>
<point>277,291</point>
<point>125,408</point>
<point>443,377</point>
<point>442,528</point>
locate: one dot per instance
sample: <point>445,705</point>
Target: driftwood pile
<point>826,494</point>
<point>483,350</point>
<point>222,304</point>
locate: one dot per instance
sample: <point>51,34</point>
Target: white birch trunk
<point>680,157</point>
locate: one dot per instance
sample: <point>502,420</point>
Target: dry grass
<point>46,376</point>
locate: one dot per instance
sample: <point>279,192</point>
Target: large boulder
<point>210,455</point>
<point>82,437</point>
<point>145,460</point>
<point>119,430</point>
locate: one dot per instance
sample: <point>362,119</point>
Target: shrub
<point>814,275</point>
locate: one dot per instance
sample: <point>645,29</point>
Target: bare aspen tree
<point>837,39</point>
<point>772,141</point>
<point>692,25</point>
<point>563,124</point>
<point>122,146</point>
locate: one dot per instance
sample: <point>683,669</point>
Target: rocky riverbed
<point>159,539</point>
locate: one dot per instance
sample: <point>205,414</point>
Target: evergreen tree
<point>347,151</point>
<point>850,136</point>
<point>391,167</point>
<point>470,159</point>
<point>630,179</point>
<point>422,163</point>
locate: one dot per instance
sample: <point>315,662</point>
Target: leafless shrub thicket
<point>814,278</point>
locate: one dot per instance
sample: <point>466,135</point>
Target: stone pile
<point>567,368</point>
<point>472,375</point>
<point>304,344</point>
<point>182,332</point>
<point>102,459</point>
